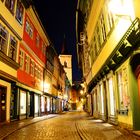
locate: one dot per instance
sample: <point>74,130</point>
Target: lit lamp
<point>81,92</point>
<point>123,9</point>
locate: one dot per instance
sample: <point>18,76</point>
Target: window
<point>37,40</point>
<point>12,48</point>
<point>111,95</point>
<point>3,39</point>
<point>32,67</point>
<point>103,27</point>
<point>43,48</point>
<point>29,29</point>
<point>19,12</point>
<point>27,60</point>
<point>36,71</point>
<point>10,4</point>
<point>65,64</point>
<point>21,59</point>
<point>123,89</point>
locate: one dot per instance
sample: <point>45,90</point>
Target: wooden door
<point>2,104</point>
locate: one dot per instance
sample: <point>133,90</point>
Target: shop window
<point>32,68</point>
<point>22,102</point>
<point>12,48</point>
<point>3,39</point>
<point>21,59</point>
<point>102,98</point>
<point>10,4</point>
<point>19,12</point>
<point>111,95</point>
<point>27,61</point>
<point>123,89</point>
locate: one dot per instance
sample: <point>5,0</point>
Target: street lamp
<point>123,9</point>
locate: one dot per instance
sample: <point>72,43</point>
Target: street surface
<point>71,126</point>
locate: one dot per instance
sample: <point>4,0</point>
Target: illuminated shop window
<point>3,39</point>
<point>10,4</point>
<point>102,98</point>
<point>22,102</point>
<point>36,104</point>
<point>21,59</point>
<point>19,12</point>
<point>12,48</point>
<point>124,99</point>
<point>111,95</point>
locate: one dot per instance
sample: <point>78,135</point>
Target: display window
<point>22,102</point>
<point>36,104</point>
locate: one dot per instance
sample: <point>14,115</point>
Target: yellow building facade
<point>109,44</point>
<point>11,32</point>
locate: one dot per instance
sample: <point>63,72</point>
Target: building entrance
<point>3,103</point>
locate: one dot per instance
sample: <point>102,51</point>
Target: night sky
<point>59,19</point>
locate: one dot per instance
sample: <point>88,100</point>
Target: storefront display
<point>22,102</point>
<point>36,104</point>
<point>111,93</point>
<point>42,104</point>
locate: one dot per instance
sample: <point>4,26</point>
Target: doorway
<point>3,91</point>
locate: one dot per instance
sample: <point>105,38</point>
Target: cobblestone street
<point>70,126</point>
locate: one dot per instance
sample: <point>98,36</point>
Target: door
<point>105,95</point>
<point>2,104</point>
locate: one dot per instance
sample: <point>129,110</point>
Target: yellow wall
<point>8,69</point>
<point>110,45</point>
<point>93,17</point>
<point>11,19</point>
<point>8,85</point>
<point>126,119</point>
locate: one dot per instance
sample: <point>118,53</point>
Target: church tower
<point>66,60</point>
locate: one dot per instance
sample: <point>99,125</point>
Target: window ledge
<point>4,58</point>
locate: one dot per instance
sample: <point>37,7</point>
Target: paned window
<point>3,39</point>
<point>36,71</point>
<point>124,99</point>
<point>10,4</point>
<point>103,27</point>
<point>19,12</point>
<point>12,48</point>
<point>43,48</point>
<point>27,61</point>
<point>32,67</point>
<point>29,29</point>
<point>21,59</point>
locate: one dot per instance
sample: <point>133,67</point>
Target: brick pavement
<point>10,128</point>
<point>71,126</point>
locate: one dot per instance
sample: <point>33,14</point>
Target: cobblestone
<point>71,126</point>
